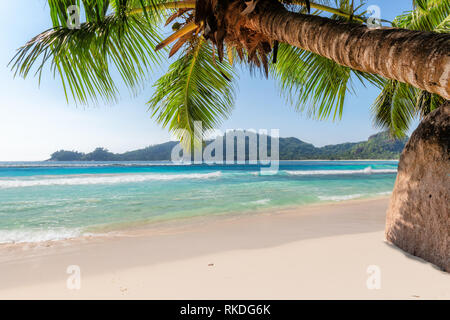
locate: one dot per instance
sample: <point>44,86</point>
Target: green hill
<point>378,146</point>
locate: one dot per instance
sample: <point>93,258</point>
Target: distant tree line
<point>378,146</point>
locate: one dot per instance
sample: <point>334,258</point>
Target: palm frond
<point>324,6</point>
<point>188,28</point>
<point>429,15</point>
<point>195,88</point>
<point>427,102</point>
<point>398,103</point>
<point>315,84</point>
<point>395,107</point>
<point>122,35</point>
<point>84,58</point>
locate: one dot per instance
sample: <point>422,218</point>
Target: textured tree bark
<point>418,217</point>
<point>421,59</point>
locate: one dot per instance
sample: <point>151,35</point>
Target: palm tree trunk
<point>421,59</point>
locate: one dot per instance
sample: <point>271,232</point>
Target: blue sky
<point>34,122</point>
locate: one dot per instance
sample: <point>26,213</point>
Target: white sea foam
<point>384,193</point>
<point>340,198</point>
<point>261,201</point>
<point>367,170</point>
<point>103,179</point>
<point>30,235</point>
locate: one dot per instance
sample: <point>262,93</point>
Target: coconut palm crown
<point>212,40</point>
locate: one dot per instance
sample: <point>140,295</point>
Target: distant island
<point>378,146</point>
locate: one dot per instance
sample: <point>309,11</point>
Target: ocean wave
<point>30,235</point>
<point>261,201</point>
<point>367,170</point>
<point>104,179</point>
<point>341,197</point>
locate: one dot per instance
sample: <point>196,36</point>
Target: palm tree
<point>317,55</point>
<point>314,56</point>
<point>399,103</point>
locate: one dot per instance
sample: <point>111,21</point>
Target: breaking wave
<point>367,170</point>
<point>260,202</point>
<point>30,235</point>
<point>340,198</point>
<point>104,179</point>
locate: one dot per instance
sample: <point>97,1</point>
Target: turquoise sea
<point>56,200</point>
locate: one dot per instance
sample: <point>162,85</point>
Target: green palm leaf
<point>315,84</point>
<point>85,58</point>
<point>398,103</point>
<point>195,88</point>
<point>395,107</point>
<point>429,15</point>
<point>121,35</point>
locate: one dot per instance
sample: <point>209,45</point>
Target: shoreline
<point>189,221</point>
<point>320,251</point>
<point>124,228</point>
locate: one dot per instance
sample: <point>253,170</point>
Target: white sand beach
<point>313,252</point>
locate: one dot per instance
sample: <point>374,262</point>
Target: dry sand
<point>315,252</point>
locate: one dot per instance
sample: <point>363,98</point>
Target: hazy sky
<point>34,122</point>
